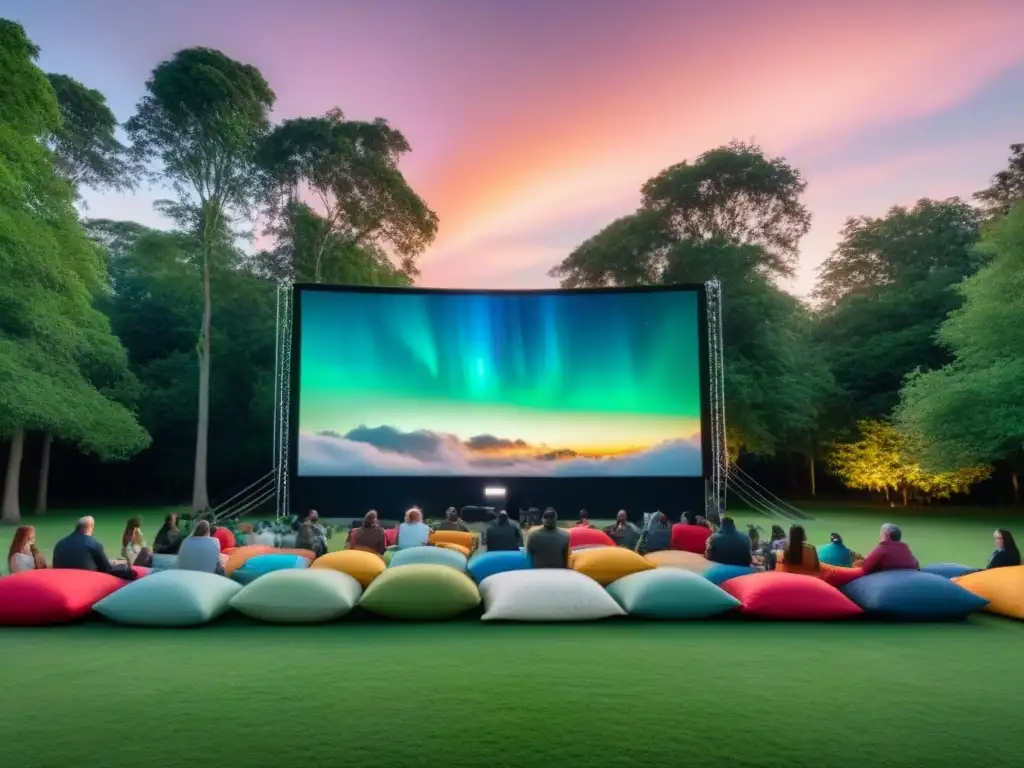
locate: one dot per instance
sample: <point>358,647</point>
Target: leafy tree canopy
<point>1007,188</point>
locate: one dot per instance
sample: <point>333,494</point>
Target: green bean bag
<point>670,593</point>
<point>170,599</point>
<point>421,591</point>
<point>428,555</point>
<point>299,596</point>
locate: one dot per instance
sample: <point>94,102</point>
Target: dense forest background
<point>137,365</point>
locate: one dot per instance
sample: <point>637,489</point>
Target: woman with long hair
<point>23,555</point>
<point>1006,553</point>
<point>168,538</point>
<point>798,556</point>
<point>369,536</point>
<point>133,545</point>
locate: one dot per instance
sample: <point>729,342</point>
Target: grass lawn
<point>719,693</point>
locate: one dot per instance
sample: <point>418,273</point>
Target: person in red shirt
<point>891,554</point>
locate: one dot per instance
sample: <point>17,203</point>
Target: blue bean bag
<point>948,570</point>
<point>913,596</point>
<point>261,565</point>
<point>489,563</point>
<point>719,573</point>
<point>427,555</point>
<point>670,593</point>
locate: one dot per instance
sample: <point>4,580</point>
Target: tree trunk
<point>200,496</point>
<point>10,513</point>
<point>1015,482</point>
<point>814,479</point>
<point>903,491</point>
<point>43,492</point>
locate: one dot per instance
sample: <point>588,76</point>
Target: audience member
<point>80,551</point>
<point>413,532</point>
<point>584,521</point>
<point>658,533</point>
<point>729,546</point>
<point>1006,553</point>
<point>311,535</point>
<point>452,522</point>
<point>891,554</point>
<point>369,536</point>
<point>133,545</point>
<point>168,538</point>
<point>777,541</point>
<point>623,532</point>
<point>549,546</point>
<point>200,551</point>
<point>754,532</point>
<point>689,518</point>
<point>836,553</point>
<point>24,555</point>
<point>798,556</point>
<point>502,535</point>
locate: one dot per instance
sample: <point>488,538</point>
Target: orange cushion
<point>689,538</point>
<point>52,596</point>
<point>1002,587</point>
<point>838,576</point>
<point>361,565</point>
<point>456,547</point>
<point>676,558</point>
<point>462,538</point>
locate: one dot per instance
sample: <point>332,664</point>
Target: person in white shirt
<point>413,532</point>
<point>23,555</point>
<point>133,545</point>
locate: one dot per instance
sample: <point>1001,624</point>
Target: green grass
<point>718,693</point>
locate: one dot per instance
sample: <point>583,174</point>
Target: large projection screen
<point>501,384</point>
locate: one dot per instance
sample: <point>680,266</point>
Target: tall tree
<point>350,169</point>
<point>1007,188</point>
<point>200,124</point>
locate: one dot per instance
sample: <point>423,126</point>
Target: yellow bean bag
<point>677,558</point>
<point>1002,587</point>
<point>361,565</point>
<point>456,547</point>
<point>462,538</point>
<point>606,564</point>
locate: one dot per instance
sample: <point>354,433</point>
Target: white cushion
<point>170,599</point>
<point>294,596</point>
<point>546,594</point>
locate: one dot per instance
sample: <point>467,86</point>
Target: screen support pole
<point>283,397</point>
<point>717,488</point>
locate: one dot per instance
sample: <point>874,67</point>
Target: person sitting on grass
<point>502,535</point>
<point>549,547</point>
<point>798,556</point>
<point>623,532</point>
<point>311,535</point>
<point>81,552</point>
<point>729,546</point>
<point>133,546</point>
<point>452,522</point>
<point>891,554</point>
<point>838,554</point>
<point>200,551</point>
<point>413,532</point>
<point>168,538</point>
<point>369,536</point>
<point>1006,553</point>
<point>24,555</point>
<point>584,521</point>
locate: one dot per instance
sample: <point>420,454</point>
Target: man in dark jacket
<point>549,547</point>
<point>452,522</point>
<point>81,552</point>
<point>729,546</point>
<point>503,535</point>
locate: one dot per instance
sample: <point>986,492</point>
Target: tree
<point>883,460</point>
<point>971,411</point>
<point>350,168</point>
<point>201,122</point>
<point>1007,187</point>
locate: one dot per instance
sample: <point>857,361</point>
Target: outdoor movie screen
<point>510,384</point>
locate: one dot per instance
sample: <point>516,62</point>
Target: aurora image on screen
<point>499,384</point>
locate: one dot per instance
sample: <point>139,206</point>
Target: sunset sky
<point>533,123</point>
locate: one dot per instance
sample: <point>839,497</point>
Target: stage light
<point>493,492</point>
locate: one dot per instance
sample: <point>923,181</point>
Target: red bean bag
<point>141,570</point>
<point>52,596</point>
<point>838,576</point>
<point>225,537</point>
<point>585,537</point>
<point>689,538</point>
<point>774,595</point>
<point>391,536</point>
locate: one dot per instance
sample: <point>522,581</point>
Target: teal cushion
<point>489,563</point>
<point>835,554</point>
<point>170,599</point>
<point>164,562</point>
<point>261,565</point>
<point>421,591</point>
<point>428,555</point>
<point>670,593</point>
<point>719,573</point>
<point>299,596</point>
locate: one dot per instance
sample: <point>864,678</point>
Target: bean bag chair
<point>486,564</point>
<point>462,538</point>
<point>237,558</point>
<point>657,541</point>
<point>464,551</point>
<point>299,596</point>
<point>580,536</point>
<point>607,564</point>
<point>388,554</point>
<point>948,570</point>
<point>546,594</point>
<point>1002,587</point>
<point>792,596</point>
<point>837,576</point>
<point>585,547</point>
<point>141,570</point>
<point>719,573</point>
<point>225,537</point>
<point>428,556</point>
<point>421,591</point>
<point>670,593</point>
<point>361,565</point>
<point>391,536</point>
<point>52,596</point>
<point>676,558</point>
<point>689,538</point>
<point>912,595</point>
<point>170,599</point>
<point>261,565</point>
<point>164,562</point>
